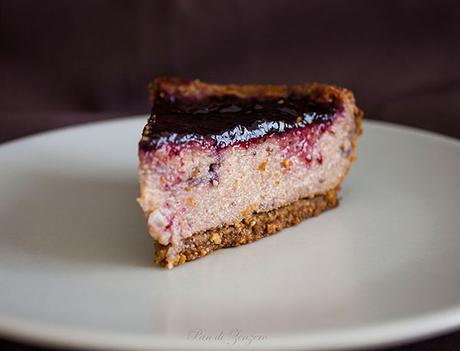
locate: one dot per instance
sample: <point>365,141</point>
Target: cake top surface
<point>222,115</point>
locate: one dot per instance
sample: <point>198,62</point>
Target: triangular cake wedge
<point>225,165</point>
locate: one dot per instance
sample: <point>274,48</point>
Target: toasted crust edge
<point>197,89</point>
<point>254,227</point>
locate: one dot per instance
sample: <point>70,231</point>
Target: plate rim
<point>379,335</point>
<point>382,334</point>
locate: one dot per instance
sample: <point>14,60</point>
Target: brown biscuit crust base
<point>252,228</point>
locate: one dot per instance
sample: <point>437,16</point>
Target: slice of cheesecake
<point>225,165</point>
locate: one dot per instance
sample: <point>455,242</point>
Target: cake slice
<point>225,165</point>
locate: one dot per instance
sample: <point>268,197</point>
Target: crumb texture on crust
<point>253,227</point>
<point>198,90</point>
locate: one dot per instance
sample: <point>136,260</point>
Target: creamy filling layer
<point>196,189</point>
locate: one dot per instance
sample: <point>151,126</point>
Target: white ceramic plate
<point>76,261</point>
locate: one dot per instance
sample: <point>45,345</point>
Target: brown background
<point>67,62</point>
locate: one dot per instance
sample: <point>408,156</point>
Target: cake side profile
<point>225,165</point>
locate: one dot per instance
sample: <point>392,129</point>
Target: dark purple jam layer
<point>224,121</point>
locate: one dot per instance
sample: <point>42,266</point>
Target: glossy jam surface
<point>223,121</point>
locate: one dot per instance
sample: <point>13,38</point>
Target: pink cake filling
<point>195,187</point>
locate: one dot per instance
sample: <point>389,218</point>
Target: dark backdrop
<point>65,62</point>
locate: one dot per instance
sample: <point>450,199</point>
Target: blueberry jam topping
<point>227,120</point>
